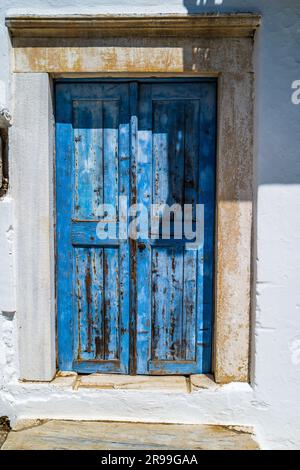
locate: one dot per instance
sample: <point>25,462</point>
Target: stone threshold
<point>104,435</point>
<point>174,383</point>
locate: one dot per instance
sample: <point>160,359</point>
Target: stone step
<point>96,435</point>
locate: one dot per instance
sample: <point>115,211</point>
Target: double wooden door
<point>144,305</point>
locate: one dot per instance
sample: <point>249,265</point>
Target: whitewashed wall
<point>272,403</point>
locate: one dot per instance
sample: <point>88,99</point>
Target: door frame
<point>206,46</point>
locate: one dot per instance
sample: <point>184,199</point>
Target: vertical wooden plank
<point>176,172</point>
<point>168,152</point>
<point>84,300</point>
<point>133,94</point>
<point>110,157</point>
<point>191,179</point>
<point>111,261</point>
<point>88,185</point>
<point>124,257</point>
<point>176,157</point>
<point>175,333</point>
<point>168,188</point>
<point>97,286</point>
<point>88,194</point>
<point>163,143</point>
<point>89,296</point>
<point>160,188</point>
<point>64,189</point>
<point>160,304</point>
<point>167,303</point>
<point>111,303</point>
<point>206,196</point>
<point>144,181</point>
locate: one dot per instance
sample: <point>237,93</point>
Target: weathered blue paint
<point>142,306</point>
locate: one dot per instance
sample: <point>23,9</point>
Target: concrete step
<point>95,435</point>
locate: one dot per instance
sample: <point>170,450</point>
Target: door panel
<point>93,281</point>
<point>176,140</point>
<point>150,299</point>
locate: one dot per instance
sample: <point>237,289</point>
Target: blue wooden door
<point>134,306</point>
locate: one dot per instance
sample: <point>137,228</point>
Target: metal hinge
<point>5,122</point>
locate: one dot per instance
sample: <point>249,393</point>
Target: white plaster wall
<point>272,403</point>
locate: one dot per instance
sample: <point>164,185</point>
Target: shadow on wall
<point>277,133</point>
